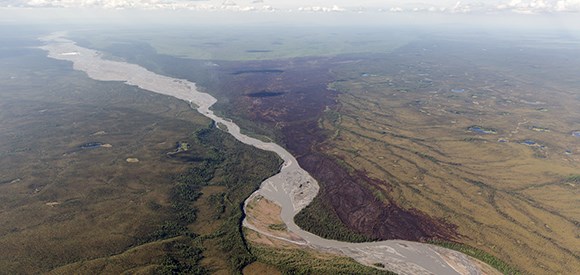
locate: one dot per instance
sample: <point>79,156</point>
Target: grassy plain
<point>409,126</point>
<point>60,203</point>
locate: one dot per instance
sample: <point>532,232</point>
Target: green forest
<point>219,160</point>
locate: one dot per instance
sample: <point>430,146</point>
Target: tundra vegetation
<point>510,202</point>
<point>390,136</point>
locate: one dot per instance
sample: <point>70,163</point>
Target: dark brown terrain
<point>295,111</point>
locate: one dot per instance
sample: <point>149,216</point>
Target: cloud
<point>334,8</point>
<point>540,6</point>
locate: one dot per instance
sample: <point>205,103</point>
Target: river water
<point>292,188</point>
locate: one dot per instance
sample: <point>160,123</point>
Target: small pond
<point>481,130</point>
<point>91,145</point>
<point>529,142</point>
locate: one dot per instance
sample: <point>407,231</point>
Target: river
<point>292,188</point>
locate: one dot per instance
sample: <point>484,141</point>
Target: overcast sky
<point>501,13</point>
<point>441,6</point>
